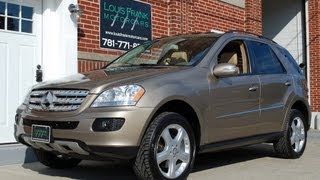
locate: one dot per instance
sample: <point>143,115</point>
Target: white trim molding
<point>59,39</point>
<point>315,120</point>
<point>239,3</point>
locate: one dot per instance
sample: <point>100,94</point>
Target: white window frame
<point>6,16</point>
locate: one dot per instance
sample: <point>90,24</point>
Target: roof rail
<point>250,33</point>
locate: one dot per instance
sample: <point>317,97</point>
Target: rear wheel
<point>167,150</point>
<point>54,161</point>
<point>294,140</point>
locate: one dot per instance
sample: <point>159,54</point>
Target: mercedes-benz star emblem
<point>48,100</point>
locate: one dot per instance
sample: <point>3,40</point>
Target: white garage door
<point>20,52</point>
<point>282,22</point>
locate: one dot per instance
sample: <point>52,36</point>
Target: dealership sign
<point>124,24</point>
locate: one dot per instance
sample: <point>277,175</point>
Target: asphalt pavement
<point>252,162</point>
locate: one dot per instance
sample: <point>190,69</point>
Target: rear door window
<point>264,59</point>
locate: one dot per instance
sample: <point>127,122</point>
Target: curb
<point>16,154</point>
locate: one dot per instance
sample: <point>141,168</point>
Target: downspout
<point>304,29</point>
<point>306,41</point>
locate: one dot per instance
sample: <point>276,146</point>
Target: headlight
<point>127,95</point>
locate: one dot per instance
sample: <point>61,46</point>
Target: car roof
<point>231,33</point>
<point>192,35</point>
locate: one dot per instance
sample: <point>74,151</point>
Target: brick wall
<point>85,65</point>
<point>314,45</point>
<point>217,15</point>
<point>253,15</point>
<point>169,17</point>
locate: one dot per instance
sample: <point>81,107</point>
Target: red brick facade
<point>88,65</point>
<point>253,16</point>
<point>170,17</point>
<point>314,45</point>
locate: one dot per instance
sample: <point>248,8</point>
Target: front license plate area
<point>40,133</point>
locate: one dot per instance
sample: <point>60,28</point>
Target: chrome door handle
<point>288,83</point>
<point>253,88</point>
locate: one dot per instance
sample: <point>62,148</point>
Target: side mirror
<point>302,65</point>
<point>225,70</point>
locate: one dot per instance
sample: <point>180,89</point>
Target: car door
<point>234,100</point>
<point>275,85</point>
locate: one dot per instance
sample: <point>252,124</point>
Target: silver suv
<point>169,99</point>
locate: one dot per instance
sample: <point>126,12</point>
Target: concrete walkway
<point>253,162</point>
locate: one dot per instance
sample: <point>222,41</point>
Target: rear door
<point>275,85</point>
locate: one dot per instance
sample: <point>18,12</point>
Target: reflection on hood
<point>67,79</point>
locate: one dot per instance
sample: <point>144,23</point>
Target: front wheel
<point>167,150</point>
<point>294,140</point>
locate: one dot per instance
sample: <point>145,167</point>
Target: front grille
<point>56,100</point>
<point>53,124</point>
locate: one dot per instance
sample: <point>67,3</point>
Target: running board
<point>234,143</point>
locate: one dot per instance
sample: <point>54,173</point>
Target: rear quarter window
<point>291,61</point>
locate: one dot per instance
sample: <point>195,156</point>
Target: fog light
<point>107,124</point>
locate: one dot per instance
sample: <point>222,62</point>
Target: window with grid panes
<point>14,17</point>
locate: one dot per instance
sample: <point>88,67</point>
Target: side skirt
<point>234,143</point>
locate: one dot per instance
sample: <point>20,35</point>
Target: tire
<point>53,161</point>
<point>294,140</point>
<point>157,146</point>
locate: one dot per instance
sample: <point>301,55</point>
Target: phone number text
<point>118,44</point>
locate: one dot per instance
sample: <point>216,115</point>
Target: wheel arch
<point>304,109</point>
<point>183,108</point>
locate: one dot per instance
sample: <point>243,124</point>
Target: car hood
<point>99,80</point>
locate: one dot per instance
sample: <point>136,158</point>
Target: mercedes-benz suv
<point>165,101</point>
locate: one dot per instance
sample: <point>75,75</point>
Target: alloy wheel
<point>173,151</point>
<point>297,135</point>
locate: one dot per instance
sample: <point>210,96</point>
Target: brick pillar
<point>314,46</point>
<point>253,16</point>
<point>175,17</point>
<point>180,16</point>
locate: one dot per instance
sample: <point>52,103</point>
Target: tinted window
<point>26,26</point>
<point>16,17</point>
<point>291,61</point>
<point>1,22</point>
<point>264,59</point>
<point>2,11</point>
<point>13,24</point>
<point>27,12</point>
<point>13,10</point>
<point>2,8</point>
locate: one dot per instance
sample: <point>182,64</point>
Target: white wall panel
<point>3,82</point>
<point>282,22</point>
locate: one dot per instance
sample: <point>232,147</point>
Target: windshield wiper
<point>138,65</point>
<point>145,64</point>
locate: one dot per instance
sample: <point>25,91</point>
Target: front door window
<point>235,53</point>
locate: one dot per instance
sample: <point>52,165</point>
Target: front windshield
<point>177,51</point>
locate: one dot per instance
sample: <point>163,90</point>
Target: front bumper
<point>82,140</point>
